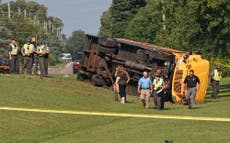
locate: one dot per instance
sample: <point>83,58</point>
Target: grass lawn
<point>68,94</point>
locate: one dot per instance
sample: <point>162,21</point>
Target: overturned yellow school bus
<point>102,55</point>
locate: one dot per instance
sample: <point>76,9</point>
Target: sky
<point>77,14</point>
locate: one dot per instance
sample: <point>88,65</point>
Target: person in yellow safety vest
<point>41,51</point>
<point>35,56</point>
<point>13,56</point>
<point>158,91</point>
<point>215,78</point>
<point>46,60</point>
<point>27,51</point>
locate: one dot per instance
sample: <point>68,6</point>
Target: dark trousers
<point>122,89</point>
<point>14,67</point>
<point>46,64</point>
<point>42,65</point>
<point>158,100</point>
<point>36,63</point>
<point>215,88</point>
<point>155,98</point>
<point>27,64</point>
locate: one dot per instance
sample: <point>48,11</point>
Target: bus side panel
<point>201,69</point>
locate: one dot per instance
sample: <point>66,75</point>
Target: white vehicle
<point>66,57</point>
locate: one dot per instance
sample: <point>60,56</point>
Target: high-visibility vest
<point>47,49</point>
<point>28,49</point>
<point>158,83</point>
<point>41,49</point>
<point>216,75</point>
<point>14,50</point>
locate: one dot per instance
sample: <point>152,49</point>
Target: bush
<point>53,59</point>
<point>224,63</point>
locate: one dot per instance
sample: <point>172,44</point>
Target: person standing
<point>192,82</point>
<point>215,78</point>
<point>122,80</point>
<point>158,91</point>
<point>35,56</point>
<point>145,89</point>
<point>46,59</point>
<point>13,56</point>
<point>27,52</point>
<point>41,51</point>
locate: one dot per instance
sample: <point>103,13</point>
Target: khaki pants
<point>191,96</point>
<point>145,95</point>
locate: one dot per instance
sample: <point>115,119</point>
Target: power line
<point>125,12</point>
<point>118,4</point>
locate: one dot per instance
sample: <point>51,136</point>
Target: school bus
<point>102,55</point>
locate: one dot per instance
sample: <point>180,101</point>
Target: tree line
<point>23,19</point>
<point>188,25</point>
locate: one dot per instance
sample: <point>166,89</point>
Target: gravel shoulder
<point>67,69</point>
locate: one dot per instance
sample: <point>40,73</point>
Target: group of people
<point>33,53</point>
<point>158,86</point>
<point>145,87</point>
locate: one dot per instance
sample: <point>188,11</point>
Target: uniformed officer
<point>145,89</point>
<point>192,82</point>
<point>158,91</point>
<point>13,56</point>
<point>215,78</point>
<point>41,51</point>
<point>46,60</point>
<point>27,51</point>
<point>35,56</point>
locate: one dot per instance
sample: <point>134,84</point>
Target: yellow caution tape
<point>127,115</point>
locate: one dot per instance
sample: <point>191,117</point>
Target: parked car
<point>4,67</point>
<point>77,62</point>
<point>66,57</point>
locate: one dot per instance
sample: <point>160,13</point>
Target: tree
<point>106,24</point>
<point>146,23</point>
<point>75,42</point>
<point>117,18</point>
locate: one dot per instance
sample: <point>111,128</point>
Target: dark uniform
<point>46,60</point>
<point>13,56</point>
<point>27,52</point>
<point>191,81</point>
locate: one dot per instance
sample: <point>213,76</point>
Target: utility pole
<point>25,13</point>
<point>9,11</point>
<point>35,18</point>
<point>163,16</point>
<point>19,10</point>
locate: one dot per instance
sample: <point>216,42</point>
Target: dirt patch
<point>67,69</point>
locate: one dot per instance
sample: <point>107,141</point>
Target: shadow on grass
<point>223,94</point>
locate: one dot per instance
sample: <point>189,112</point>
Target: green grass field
<point>60,93</point>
